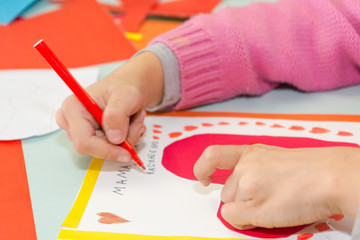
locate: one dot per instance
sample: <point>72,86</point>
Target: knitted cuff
<point>198,64</point>
<point>172,92</point>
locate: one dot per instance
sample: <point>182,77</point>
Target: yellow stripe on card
<point>73,218</point>
<point>89,235</point>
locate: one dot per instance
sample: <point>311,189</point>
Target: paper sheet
<point>14,194</point>
<point>79,32</point>
<point>30,98</point>
<point>166,201</point>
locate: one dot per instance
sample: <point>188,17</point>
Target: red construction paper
<point>179,158</point>
<point>16,222</point>
<point>81,33</point>
<point>131,13</point>
<point>135,13</point>
<point>184,8</point>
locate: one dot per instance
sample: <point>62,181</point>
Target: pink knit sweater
<point>313,45</point>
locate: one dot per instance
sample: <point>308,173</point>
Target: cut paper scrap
<point>184,8</point>
<point>17,221</point>
<point>81,33</point>
<point>130,14</point>
<point>180,157</point>
<point>30,98</point>
<point>135,13</point>
<point>9,10</point>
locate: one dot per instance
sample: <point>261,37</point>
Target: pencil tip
<point>143,167</point>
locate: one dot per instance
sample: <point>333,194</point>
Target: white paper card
<point>29,100</point>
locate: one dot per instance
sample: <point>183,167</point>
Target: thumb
<point>238,214</point>
<point>122,103</point>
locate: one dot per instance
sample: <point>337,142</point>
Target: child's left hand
<point>278,187</point>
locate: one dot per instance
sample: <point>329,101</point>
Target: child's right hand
<point>123,95</point>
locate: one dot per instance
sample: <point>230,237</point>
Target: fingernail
<point>114,135</point>
<point>141,131</point>
<point>142,115</point>
<point>123,158</point>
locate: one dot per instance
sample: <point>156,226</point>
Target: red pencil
<point>79,92</point>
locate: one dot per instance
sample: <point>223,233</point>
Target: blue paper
<point>10,9</point>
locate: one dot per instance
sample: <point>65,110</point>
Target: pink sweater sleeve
<point>313,45</point>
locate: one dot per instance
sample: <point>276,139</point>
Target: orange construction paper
<point>184,8</point>
<point>17,221</point>
<point>81,33</point>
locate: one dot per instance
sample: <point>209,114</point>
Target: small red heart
<point>337,217</point>
<point>174,134</point>
<point>110,218</point>
<point>190,128</point>
<point>296,128</point>
<point>321,227</point>
<point>276,126</point>
<point>344,134</point>
<point>319,130</point>
<point>305,236</point>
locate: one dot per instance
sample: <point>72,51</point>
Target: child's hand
<point>123,95</point>
<point>278,187</point>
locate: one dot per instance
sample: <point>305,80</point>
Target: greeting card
<point>121,201</point>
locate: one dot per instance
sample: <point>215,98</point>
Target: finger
<point>137,127</point>
<point>72,115</point>
<point>61,120</point>
<point>238,214</point>
<point>228,192</point>
<point>265,146</point>
<point>244,227</point>
<point>119,109</point>
<point>95,144</point>
<point>239,186</point>
<point>82,130</point>
<point>217,157</point>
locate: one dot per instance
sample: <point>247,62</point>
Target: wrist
<point>345,189</point>
<point>148,77</point>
